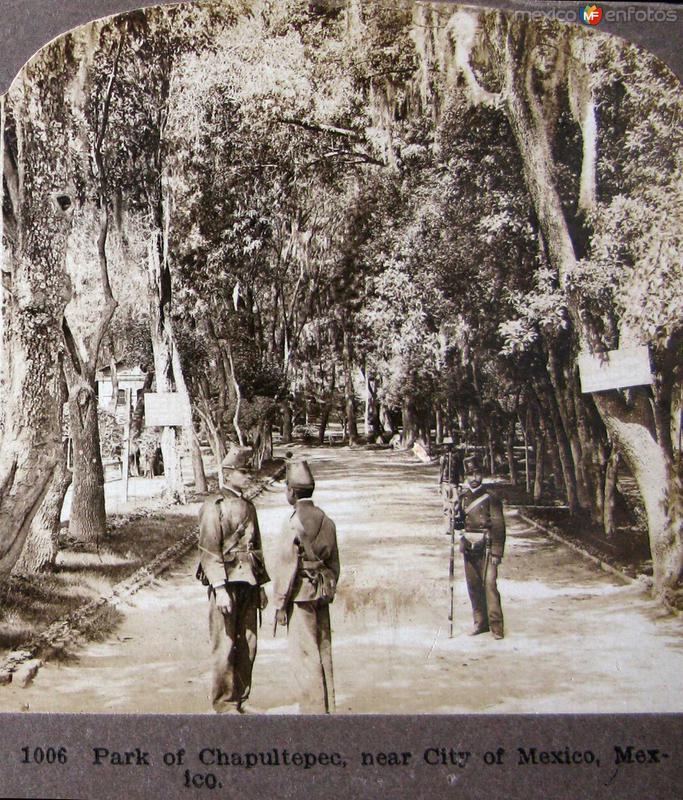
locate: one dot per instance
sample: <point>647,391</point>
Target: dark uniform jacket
<point>289,579</point>
<point>230,541</point>
<point>484,520</point>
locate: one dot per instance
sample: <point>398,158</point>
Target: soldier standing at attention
<point>231,565</point>
<point>305,577</point>
<point>482,544</point>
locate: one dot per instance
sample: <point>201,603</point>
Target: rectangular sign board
<point>615,369</point>
<point>166,409</point>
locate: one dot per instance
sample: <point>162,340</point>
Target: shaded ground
<point>28,605</point>
<point>139,528</point>
<point>577,640</point>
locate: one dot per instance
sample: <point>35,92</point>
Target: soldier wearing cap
<point>231,565</point>
<point>482,543</point>
<point>307,552</point>
<point>451,471</point>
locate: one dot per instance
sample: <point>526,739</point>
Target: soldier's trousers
<point>233,646</point>
<point>310,646</point>
<point>482,577</point>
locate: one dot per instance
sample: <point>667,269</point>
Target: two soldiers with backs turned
<point>306,570</point>
<point>478,514</point>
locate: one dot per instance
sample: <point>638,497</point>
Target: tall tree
<point>39,196</point>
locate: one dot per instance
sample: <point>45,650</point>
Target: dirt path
<point>577,639</point>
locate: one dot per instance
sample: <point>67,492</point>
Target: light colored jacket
<point>289,581</point>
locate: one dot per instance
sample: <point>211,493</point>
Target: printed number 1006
<point>48,755</point>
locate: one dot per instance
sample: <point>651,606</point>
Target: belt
<point>304,564</point>
<point>479,535</point>
<point>239,555</point>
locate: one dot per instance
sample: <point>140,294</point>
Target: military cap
<point>471,464</point>
<point>237,456</point>
<point>299,475</point>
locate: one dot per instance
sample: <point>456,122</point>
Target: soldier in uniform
<point>231,565</point>
<point>451,471</point>
<point>305,576</point>
<point>482,543</point>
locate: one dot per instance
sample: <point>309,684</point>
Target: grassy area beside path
<point>83,573</point>
<point>86,573</point>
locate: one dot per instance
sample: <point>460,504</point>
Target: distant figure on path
<point>451,471</point>
<point>451,475</point>
<point>304,581</point>
<point>156,465</point>
<point>482,544</point>
<point>231,565</point>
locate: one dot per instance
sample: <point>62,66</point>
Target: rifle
<point>456,521</point>
<point>451,562</point>
<point>451,571</point>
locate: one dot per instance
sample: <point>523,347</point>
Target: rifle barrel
<point>451,574</point>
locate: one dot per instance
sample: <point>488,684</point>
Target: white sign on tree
<point>166,409</point>
<point>615,369</point>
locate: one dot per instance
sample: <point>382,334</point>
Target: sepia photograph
<point>341,364</point>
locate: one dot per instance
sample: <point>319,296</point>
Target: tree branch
<point>71,348</point>
<point>316,128</point>
<point>107,105</point>
<point>11,177</point>
<point>462,30</point>
<point>110,302</point>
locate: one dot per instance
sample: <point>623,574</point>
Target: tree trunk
<point>84,332</point>
<point>527,471</point>
<point>40,550</point>
<point>114,382</point>
<point>264,442</point>
<point>162,347</point>
<point>563,446</point>
<point>327,407</point>
<point>238,398</point>
<point>659,485</point>
<point>386,420</point>
<point>368,400</point>
<point>567,408</point>
<point>410,424</point>
<point>138,415</point>
<point>491,450</point>
<point>611,476</point>
<point>88,519</point>
<point>539,459</point>
<point>198,466</point>
<point>286,409</point>
<point>324,419</point>
<point>552,453</point>
<point>349,398</point>
<point>438,414</point>
<point>594,459</point>
<point>215,442</point>
<point>37,212</point>
<point>509,449</point>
